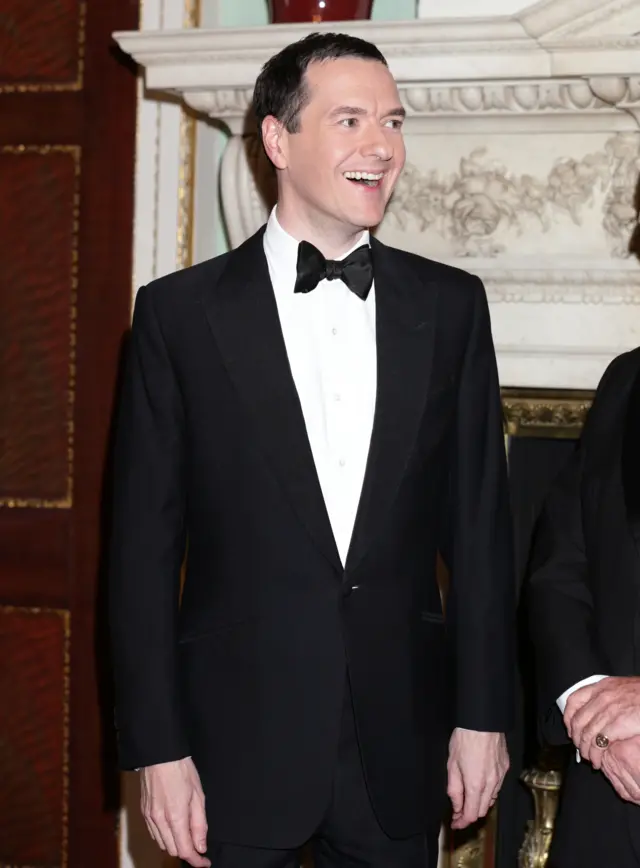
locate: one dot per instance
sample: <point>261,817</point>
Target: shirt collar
<point>281,249</point>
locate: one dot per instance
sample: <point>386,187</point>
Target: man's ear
<point>274,140</point>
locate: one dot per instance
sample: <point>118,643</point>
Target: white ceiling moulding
<point>526,45</point>
<point>523,144</point>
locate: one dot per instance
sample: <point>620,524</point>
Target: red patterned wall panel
<point>38,263</point>
<point>67,129</point>
<point>34,699</point>
<point>41,44</point>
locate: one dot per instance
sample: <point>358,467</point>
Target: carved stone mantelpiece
<point>523,155</point>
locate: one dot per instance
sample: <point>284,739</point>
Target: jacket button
<point>347,590</point>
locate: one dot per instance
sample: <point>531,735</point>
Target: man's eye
<point>348,122</point>
<point>395,124</point>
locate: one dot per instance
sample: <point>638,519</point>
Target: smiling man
<point>319,415</point>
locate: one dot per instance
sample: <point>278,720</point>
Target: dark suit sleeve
<point>147,548</point>
<point>559,596</point>
<point>481,600</point>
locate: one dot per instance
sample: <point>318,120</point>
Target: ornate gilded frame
<point>555,413</point>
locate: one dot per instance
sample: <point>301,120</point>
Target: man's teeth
<point>363,176</point>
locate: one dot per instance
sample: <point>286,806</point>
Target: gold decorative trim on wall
<point>554,413</point>
<point>75,151</point>
<point>65,616</point>
<point>58,87</point>
<point>186,177</point>
<point>186,172</point>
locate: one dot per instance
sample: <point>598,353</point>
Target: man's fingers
<point>456,793</point>
<point>470,807</point>
<point>628,781</point>
<point>617,726</point>
<point>595,754</point>
<point>587,745</point>
<point>576,702</point>
<point>167,841</point>
<point>184,844</point>
<point>617,783</point>
<point>455,788</point>
<point>596,757</point>
<point>153,831</point>
<point>621,777</point>
<point>486,801</point>
<point>576,724</point>
<point>578,718</point>
<point>471,810</point>
<point>198,823</point>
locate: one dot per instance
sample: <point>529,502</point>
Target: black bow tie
<point>356,270</point>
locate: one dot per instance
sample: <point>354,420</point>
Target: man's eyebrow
<point>347,110</point>
<point>397,111</point>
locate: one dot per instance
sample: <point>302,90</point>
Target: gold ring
<point>602,741</point>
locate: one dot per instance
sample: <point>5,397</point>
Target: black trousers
<point>594,828</point>
<point>349,835</point>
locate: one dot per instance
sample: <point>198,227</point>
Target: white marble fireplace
<point>523,140</point>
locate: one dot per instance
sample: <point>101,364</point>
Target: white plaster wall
<point>469,8</point>
<point>209,238</point>
<point>157,163</point>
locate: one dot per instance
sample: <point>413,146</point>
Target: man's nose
<point>377,143</point>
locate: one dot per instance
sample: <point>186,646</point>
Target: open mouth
<point>366,179</point>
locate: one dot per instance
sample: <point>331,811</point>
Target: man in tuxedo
<point>585,621</point>
<point>316,415</point>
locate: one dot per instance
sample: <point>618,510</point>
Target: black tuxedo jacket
<point>583,596</point>
<point>247,671</point>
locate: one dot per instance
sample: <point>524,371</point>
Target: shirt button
<point>334,331</point>
<point>342,462</point>
<point>337,397</point>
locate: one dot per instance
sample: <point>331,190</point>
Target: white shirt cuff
<point>592,679</point>
<point>562,700</point>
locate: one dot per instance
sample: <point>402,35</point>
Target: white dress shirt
<point>330,338</point>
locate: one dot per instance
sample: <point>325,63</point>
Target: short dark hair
<point>281,90</point>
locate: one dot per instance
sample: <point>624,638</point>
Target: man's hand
<point>610,707</point>
<point>478,762</point>
<point>621,764</point>
<point>172,804</point>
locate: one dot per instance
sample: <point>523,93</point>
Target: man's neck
<point>332,242</point>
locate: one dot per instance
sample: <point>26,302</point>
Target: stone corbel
<point>246,186</point>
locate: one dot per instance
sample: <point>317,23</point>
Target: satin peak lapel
<point>405,327</point>
<point>243,316</point>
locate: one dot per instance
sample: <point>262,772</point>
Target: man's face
<point>352,123</point>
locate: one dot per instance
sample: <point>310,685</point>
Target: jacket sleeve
<point>147,548</point>
<point>481,599</point>
<point>560,602</point>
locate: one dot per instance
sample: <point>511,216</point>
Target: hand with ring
<point>621,765</point>
<point>606,711</point>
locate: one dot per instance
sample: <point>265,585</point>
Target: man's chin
<point>367,219</point>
